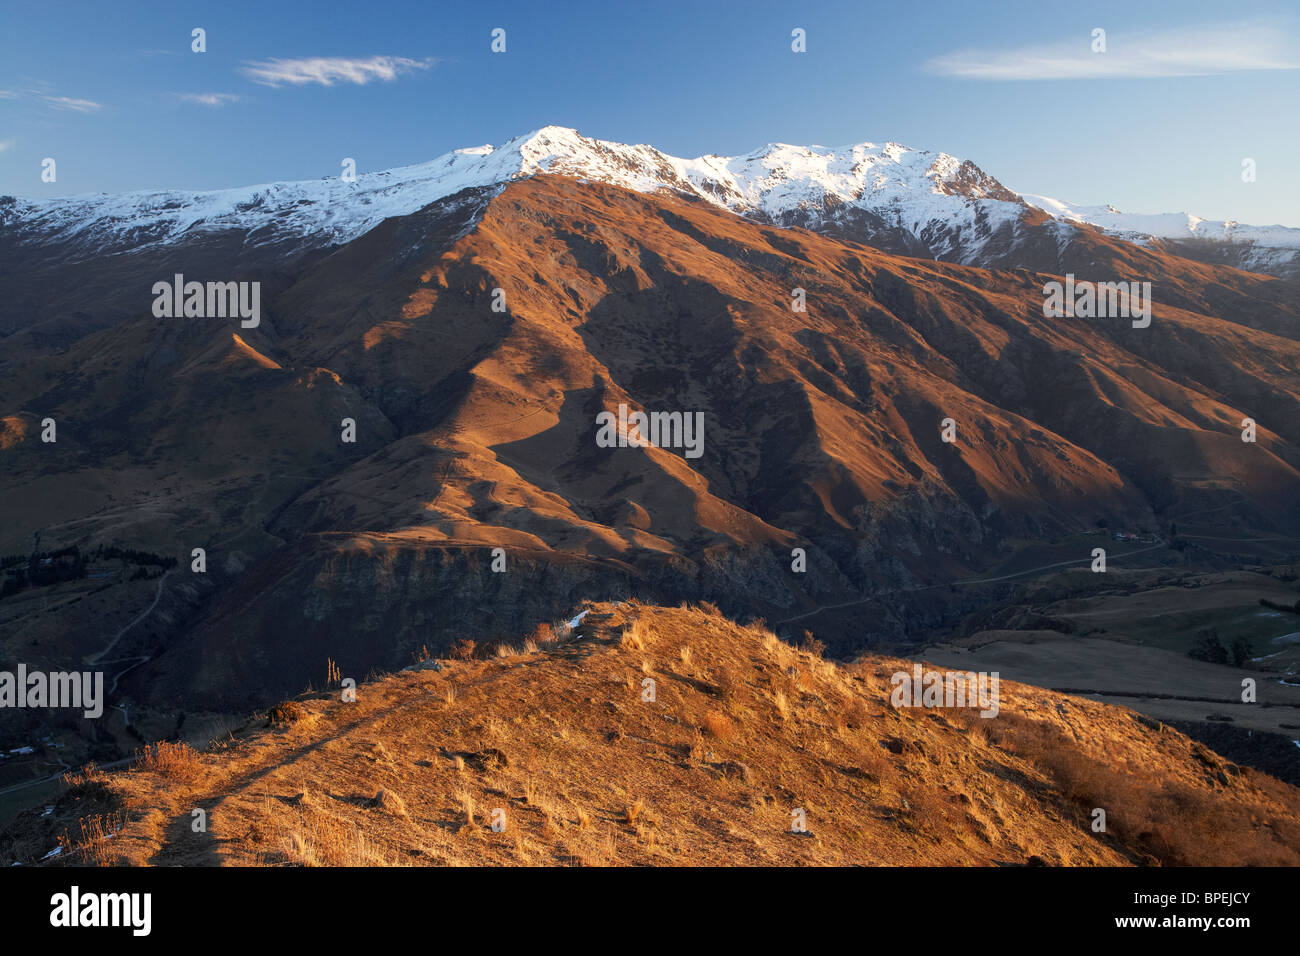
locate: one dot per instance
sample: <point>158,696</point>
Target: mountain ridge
<point>906,200</point>
<point>668,736</point>
<point>476,429</point>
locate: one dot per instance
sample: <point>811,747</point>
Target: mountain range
<point>911,201</point>
<point>473,316</point>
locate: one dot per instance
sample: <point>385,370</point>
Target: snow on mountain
<point>1271,247</point>
<point>905,200</point>
<point>909,189</point>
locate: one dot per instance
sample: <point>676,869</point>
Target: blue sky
<point>1159,122</point>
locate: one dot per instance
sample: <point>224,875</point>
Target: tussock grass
<point>91,846</point>
<point>782,704</point>
<point>177,761</point>
<point>320,839</point>
<point>719,725</point>
<point>633,812</point>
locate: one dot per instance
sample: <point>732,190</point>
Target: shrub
<point>176,760</point>
<point>718,725</point>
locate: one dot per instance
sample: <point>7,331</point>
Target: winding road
<point>143,614</point>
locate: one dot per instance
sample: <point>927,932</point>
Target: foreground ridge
<point>669,736</point>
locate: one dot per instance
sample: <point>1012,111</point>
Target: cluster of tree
<point>42,568</point>
<point>131,555</point>
<point>45,568</point>
<point>1208,647</point>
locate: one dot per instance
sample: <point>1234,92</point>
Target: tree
<point>1241,651</point>
<point>1208,647</point>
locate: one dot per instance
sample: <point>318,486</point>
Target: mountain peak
<point>914,200</point>
<point>780,183</point>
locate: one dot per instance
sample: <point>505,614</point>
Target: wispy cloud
<point>9,94</point>
<point>209,99</point>
<point>1192,51</point>
<point>7,144</point>
<point>330,70</point>
<point>68,103</point>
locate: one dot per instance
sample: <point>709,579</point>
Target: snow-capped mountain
<point>1268,249</point>
<point>931,197</point>
<point>907,201</point>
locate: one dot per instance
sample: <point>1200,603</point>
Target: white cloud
<point>9,94</point>
<point>330,70</point>
<point>7,144</point>
<point>209,99</point>
<point>1193,51</point>
<point>68,103</point>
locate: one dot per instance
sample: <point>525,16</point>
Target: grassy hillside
<point>554,737</point>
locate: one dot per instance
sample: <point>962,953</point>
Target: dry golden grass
<point>177,760</point>
<point>91,845</point>
<point>466,800</point>
<point>708,773</point>
<point>1174,820</point>
<point>543,634</point>
<point>811,646</point>
<point>323,840</point>
<point>387,801</point>
<point>718,725</point>
<point>633,812</point>
<point>782,704</point>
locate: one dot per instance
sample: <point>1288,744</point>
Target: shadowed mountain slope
<point>476,428</point>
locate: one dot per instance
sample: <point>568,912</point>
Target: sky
<point>1161,120</point>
